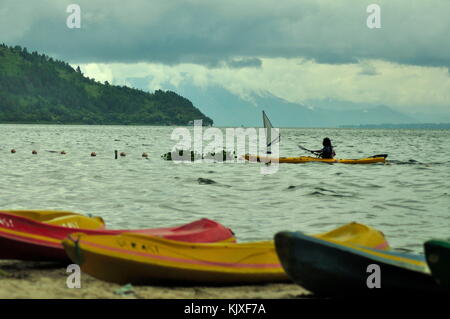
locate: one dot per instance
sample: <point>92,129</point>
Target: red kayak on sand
<point>38,236</point>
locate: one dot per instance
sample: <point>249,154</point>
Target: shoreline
<point>46,280</point>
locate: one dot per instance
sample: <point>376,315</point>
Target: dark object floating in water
<point>292,187</point>
<point>34,152</point>
<point>13,151</point>
<point>191,156</point>
<point>93,154</point>
<point>205,181</point>
<point>144,155</point>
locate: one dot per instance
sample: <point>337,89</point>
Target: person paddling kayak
<point>327,151</point>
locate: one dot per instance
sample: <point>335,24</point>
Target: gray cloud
<point>245,63</point>
<point>232,32</point>
<point>368,69</point>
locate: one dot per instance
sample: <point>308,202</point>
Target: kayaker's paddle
<point>314,152</point>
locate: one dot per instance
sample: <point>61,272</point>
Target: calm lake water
<point>408,198</point>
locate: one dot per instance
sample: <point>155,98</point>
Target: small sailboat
<point>269,130</point>
<point>272,137</point>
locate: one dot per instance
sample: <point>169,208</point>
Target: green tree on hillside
<point>35,88</point>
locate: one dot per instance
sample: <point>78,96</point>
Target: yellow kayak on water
<point>381,158</point>
<point>141,259</point>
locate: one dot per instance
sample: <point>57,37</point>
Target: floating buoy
<point>93,154</point>
<point>34,152</point>
<point>144,155</point>
<point>123,154</point>
<point>63,153</point>
<point>13,151</point>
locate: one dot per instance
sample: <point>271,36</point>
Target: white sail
<point>269,139</point>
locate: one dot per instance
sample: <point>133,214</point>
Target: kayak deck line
<point>30,238</point>
<point>179,260</point>
<point>412,262</point>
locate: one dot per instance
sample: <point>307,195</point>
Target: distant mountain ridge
<point>229,109</point>
<point>35,88</point>
<point>428,126</point>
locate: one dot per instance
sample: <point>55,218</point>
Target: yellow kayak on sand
<point>140,259</point>
<point>305,159</point>
<point>60,218</point>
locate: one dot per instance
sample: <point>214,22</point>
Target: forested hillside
<point>35,88</point>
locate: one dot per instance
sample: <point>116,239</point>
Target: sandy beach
<point>42,280</point>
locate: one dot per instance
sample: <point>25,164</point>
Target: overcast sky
<point>296,49</point>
